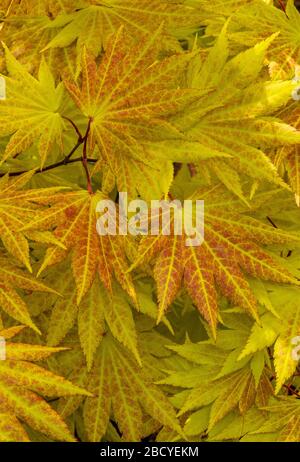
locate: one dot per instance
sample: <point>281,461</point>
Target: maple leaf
<point>230,245</point>
<point>166,99</point>
<point>30,113</point>
<point>128,100</point>
<point>39,7</point>
<point>101,18</point>
<point>75,218</point>
<point>233,117</point>
<point>22,383</point>
<point>129,387</point>
<point>147,398</point>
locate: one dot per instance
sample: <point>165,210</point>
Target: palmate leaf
<point>128,100</point>
<point>30,113</point>
<point>75,218</point>
<point>127,385</point>
<point>173,99</point>
<point>230,247</point>
<point>125,388</point>
<point>101,18</point>
<point>234,116</point>
<point>214,15</point>
<point>22,383</point>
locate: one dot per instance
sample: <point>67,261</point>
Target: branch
<point>67,160</point>
<point>68,157</point>
<point>50,167</point>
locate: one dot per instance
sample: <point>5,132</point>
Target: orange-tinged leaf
<point>26,374</point>
<point>11,429</point>
<point>230,247</point>
<point>128,100</point>
<point>76,218</point>
<point>168,273</point>
<point>128,387</point>
<point>19,380</point>
<point>32,409</point>
<point>27,352</point>
<point>13,305</point>
<point>103,18</point>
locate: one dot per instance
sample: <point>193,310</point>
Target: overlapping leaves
<point>209,116</point>
<point>21,384</point>
<point>230,249</point>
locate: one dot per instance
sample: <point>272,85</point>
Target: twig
<point>68,157</point>
<point>85,159</point>
<point>67,160</point>
<point>291,390</point>
<point>50,167</point>
<point>177,167</point>
<point>80,138</point>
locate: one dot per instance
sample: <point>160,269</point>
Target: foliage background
<point>158,98</point>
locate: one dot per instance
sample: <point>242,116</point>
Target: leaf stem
<point>80,137</point>
<point>282,5</point>
<point>192,169</point>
